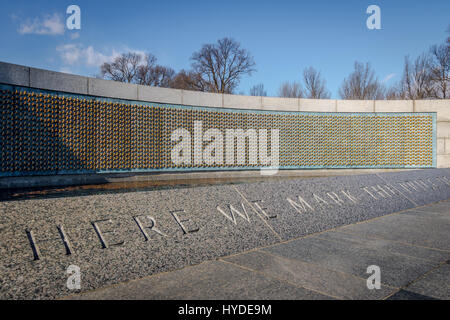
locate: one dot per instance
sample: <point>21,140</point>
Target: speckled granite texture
<point>118,237</point>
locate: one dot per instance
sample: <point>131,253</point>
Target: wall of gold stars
<point>46,132</point>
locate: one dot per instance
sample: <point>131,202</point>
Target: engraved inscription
<point>319,200</point>
<point>300,207</point>
<point>35,247</point>
<point>186,225</point>
<point>349,196</point>
<point>233,211</point>
<point>102,234</point>
<point>333,196</point>
<point>145,222</point>
<point>60,244</point>
<point>258,204</point>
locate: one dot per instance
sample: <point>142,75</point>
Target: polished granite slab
<point>116,237</point>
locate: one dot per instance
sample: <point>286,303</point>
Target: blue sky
<point>283,36</point>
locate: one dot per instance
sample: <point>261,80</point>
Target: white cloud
<point>48,25</point>
<point>77,54</point>
<point>81,55</point>
<point>74,36</point>
<point>388,77</point>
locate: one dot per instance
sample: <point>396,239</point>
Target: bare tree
<point>417,78</point>
<point>189,80</point>
<point>314,84</point>
<point>124,68</point>
<point>395,92</point>
<point>221,65</point>
<point>151,74</point>
<point>258,90</point>
<point>440,66</point>
<point>137,68</point>
<point>290,90</point>
<point>158,76</point>
<point>361,84</point>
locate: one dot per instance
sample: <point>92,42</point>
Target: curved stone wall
<point>376,138</point>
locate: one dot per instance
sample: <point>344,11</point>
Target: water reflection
<point>126,186</point>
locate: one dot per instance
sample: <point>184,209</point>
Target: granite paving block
<point>209,280</point>
<point>443,208</point>
<point>362,241</point>
<point>308,275</point>
<point>118,237</point>
<point>431,213</point>
<point>443,203</point>
<point>408,295</point>
<point>435,284</point>
<point>396,270</point>
<point>408,228</point>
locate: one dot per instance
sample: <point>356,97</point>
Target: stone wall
<point>50,80</point>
